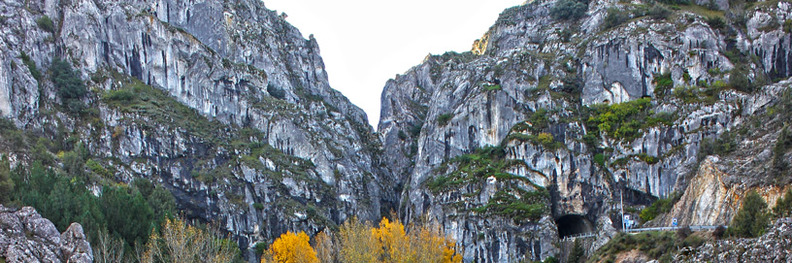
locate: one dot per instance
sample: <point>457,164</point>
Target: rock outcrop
<point>773,246</point>
<point>27,237</point>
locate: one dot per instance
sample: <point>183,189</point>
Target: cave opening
<point>571,225</point>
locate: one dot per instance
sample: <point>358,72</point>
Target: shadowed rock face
<point>571,225</point>
<point>27,237</point>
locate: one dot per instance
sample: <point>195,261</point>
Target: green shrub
<point>674,2</point>
<point>69,85</point>
<point>718,146</point>
<point>258,206</point>
<point>578,254</point>
<point>783,207</point>
<point>659,12</point>
<point>46,24</point>
<point>528,206</point>
<point>97,168</point>
<point>443,119</point>
<point>122,95</point>
<point>122,211</point>
<point>715,22</point>
<point>660,206</point>
<point>6,184</point>
<point>492,87</point>
<point>738,80</point>
<point>568,10</point>
<point>31,66</point>
<point>783,143</point>
<point>623,121</point>
<point>599,159</point>
<point>402,135</point>
<point>614,18</point>
<point>663,84</point>
<point>752,218</point>
<point>788,26</point>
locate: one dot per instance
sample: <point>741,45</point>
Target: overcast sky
<point>366,42</point>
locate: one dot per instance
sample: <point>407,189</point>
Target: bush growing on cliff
<point>659,12</point>
<point>443,119</point>
<point>752,219</point>
<point>31,66</point>
<point>623,121</point>
<point>70,86</point>
<point>783,207</point>
<point>660,206</point>
<point>614,18</point>
<point>46,24</point>
<point>578,254</point>
<point>568,10</point>
<point>6,184</point>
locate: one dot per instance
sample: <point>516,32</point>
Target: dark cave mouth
<point>571,225</point>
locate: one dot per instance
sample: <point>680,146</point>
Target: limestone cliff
<point>224,103</point>
<point>591,110</point>
<point>537,134</point>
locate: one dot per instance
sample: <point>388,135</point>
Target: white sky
<point>366,42</point>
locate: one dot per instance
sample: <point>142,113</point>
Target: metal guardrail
<point>672,228</point>
<point>584,235</point>
<point>636,230</point>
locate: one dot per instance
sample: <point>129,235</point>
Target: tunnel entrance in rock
<point>572,225</point>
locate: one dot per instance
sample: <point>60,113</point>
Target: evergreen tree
<point>6,184</point>
<point>752,219</point>
<point>783,207</point>
<point>577,254</point>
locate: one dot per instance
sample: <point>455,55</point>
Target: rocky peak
<point>28,237</point>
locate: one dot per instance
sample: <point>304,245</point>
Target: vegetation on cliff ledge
<point>516,198</point>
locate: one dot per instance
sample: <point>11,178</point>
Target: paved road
<point>637,230</point>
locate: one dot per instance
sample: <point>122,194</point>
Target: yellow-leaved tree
<point>358,244</point>
<point>432,246</point>
<point>179,242</point>
<point>390,243</point>
<point>394,242</point>
<point>326,251</point>
<point>291,248</point>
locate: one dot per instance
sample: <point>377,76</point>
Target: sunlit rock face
<point>529,64</point>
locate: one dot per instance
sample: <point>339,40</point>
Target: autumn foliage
<point>291,248</point>
<point>389,242</point>
<point>180,242</point>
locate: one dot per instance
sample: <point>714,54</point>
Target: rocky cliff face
<point>534,86</point>
<point>27,237</point>
<point>230,109</point>
<point>536,134</point>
